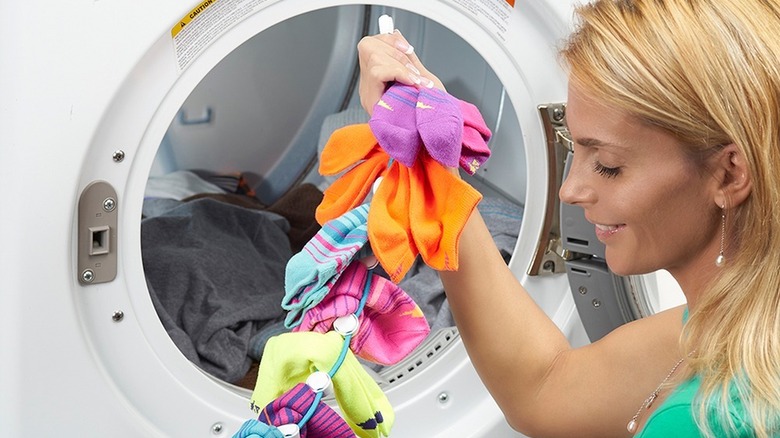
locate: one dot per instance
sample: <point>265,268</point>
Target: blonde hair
<point>707,72</point>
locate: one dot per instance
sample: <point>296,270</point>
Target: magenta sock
<point>476,134</point>
<point>394,125</point>
<point>391,325</point>
<point>440,124</point>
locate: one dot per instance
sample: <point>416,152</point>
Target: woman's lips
<point>605,231</point>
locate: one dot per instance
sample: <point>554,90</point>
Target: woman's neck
<point>695,277</point>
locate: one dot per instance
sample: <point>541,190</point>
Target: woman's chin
<point>624,266</point>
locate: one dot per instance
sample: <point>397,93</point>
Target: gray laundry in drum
<point>216,277</point>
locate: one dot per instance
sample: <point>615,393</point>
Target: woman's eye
<point>609,172</point>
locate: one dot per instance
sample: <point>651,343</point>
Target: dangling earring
<point>721,259</point>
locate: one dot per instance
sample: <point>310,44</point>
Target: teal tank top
<point>675,417</point>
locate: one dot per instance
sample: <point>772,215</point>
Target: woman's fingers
<point>428,79</point>
<point>388,58</point>
<point>381,62</point>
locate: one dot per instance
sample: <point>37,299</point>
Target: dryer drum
<point>217,225</point>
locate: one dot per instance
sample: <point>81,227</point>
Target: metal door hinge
<point>550,255</point>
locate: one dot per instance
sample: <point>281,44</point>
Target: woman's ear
<point>733,177</point>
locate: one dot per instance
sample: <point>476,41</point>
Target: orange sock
<point>345,147</point>
<point>440,204</point>
<point>351,189</point>
<point>389,225</point>
<point>416,210</point>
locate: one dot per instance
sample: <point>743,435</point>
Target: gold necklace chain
<point>632,425</point>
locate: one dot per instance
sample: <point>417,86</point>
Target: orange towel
<point>416,210</point>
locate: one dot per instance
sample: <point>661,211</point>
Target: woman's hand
<point>389,58</point>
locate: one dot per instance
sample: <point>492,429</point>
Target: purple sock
<point>440,124</point>
<point>291,407</point>
<point>394,126</point>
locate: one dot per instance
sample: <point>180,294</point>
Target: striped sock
<point>291,407</point>
<point>312,272</point>
<point>391,325</point>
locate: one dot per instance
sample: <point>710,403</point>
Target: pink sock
<point>476,134</point>
<point>391,324</point>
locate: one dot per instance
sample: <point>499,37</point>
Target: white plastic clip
<point>319,381</point>
<point>375,186</point>
<point>386,24</point>
<point>370,261</point>
<point>290,430</point>
<point>346,325</point>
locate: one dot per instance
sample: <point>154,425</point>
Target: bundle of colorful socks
<point>290,358</point>
<point>293,406</point>
<point>390,327</point>
<point>299,409</point>
<point>387,325</point>
<point>416,210</point>
<point>336,306</point>
<point>420,207</point>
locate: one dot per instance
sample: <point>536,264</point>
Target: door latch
<point>97,233</point>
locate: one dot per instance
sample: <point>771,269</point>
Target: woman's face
<point>650,206</point>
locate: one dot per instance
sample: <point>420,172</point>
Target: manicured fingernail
<point>426,82</point>
<point>404,47</point>
<point>416,79</point>
<point>412,68</point>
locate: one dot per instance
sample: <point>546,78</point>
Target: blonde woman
<point>674,108</point>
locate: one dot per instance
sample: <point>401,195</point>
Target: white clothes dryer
<point>98,96</point>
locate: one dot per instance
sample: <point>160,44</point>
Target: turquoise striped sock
<point>312,272</point>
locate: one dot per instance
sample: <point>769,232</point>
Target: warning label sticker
<point>206,22</point>
<point>493,14</point>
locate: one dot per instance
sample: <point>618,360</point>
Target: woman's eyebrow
<point>588,142</point>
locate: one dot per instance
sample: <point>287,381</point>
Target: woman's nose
<point>574,189</point>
